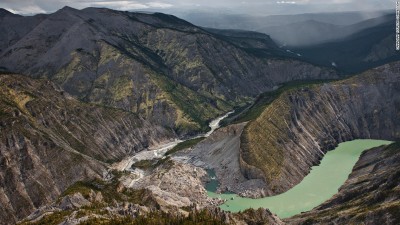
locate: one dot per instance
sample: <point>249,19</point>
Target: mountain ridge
<point>352,54</point>
<point>101,55</point>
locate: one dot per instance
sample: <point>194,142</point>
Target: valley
<point>120,117</point>
<point>165,69</point>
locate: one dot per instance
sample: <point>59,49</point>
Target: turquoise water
<point>318,186</point>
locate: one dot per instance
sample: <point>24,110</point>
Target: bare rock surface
<point>49,140</point>
<point>176,184</point>
<point>73,201</point>
<point>220,152</point>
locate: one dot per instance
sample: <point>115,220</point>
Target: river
<point>319,185</point>
<point>159,151</point>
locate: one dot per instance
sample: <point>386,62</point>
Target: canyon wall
<point>294,131</point>
<point>49,140</point>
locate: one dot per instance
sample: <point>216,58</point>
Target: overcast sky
<point>232,6</point>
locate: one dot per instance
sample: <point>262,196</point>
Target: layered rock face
<point>163,68</point>
<point>295,130</point>
<point>49,140</point>
<point>370,195</point>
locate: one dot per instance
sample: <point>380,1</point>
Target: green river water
<point>318,186</point>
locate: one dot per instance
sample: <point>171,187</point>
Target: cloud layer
<point>237,6</point>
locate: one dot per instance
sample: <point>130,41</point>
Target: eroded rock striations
<point>371,194</point>
<point>48,141</point>
<point>161,67</point>
<point>295,130</point>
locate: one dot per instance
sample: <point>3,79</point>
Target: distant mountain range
<point>371,46</point>
<point>313,32</point>
<point>224,20</point>
<point>292,30</point>
<point>350,42</point>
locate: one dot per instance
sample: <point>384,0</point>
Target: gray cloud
<point>235,6</point>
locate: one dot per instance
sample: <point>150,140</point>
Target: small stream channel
<point>159,151</point>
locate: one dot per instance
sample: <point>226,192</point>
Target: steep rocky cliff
<point>48,141</point>
<point>371,194</point>
<point>295,130</point>
<point>163,68</point>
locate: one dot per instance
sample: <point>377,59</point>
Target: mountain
<point>313,32</point>
<point>49,140</point>
<point>288,131</point>
<point>225,20</point>
<point>294,30</point>
<point>367,48</point>
<point>14,27</point>
<point>84,89</point>
<point>291,133</point>
<point>258,44</point>
<point>309,32</point>
<point>55,156</point>
<point>245,39</point>
<point>4,13</point>
<point>350,48</point>
<point>158,66</point>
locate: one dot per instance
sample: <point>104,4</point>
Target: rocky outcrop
<point>73,201</point>
<point>86,200</point>
<point>220,152</point>
<point>48,141</point>
<point>165,69</point>
<point>173,194</point>
<point>176,184</point>
<point>371,194</point>
<point>259,216</point>
<point>295,130</point>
